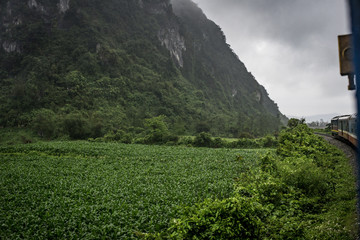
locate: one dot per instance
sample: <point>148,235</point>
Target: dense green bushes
<point>159,137</point>
<point>231,218</point>
<point>74,124</point>
<point>11,136</point>
<point>305,191</point>
<point>44,123</point>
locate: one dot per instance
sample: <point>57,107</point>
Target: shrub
<point>156,130</point>
<point>293,122</point>
<point>231,218</point>
<point>185,140</point>
<point>109,137</point>
<point>44,122</point>
<point>217,143</point>
<point>203,140</point>
<point>246,135</point>
<point>96,127</point>
<point>269,141</point>
<point>126,138</point>
<point>246,143</point>
<point>305,175</point>
<point>76,126</point>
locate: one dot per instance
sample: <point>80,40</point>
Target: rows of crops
<point>92,190</point>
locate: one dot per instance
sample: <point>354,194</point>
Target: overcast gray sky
<point>291,48</point>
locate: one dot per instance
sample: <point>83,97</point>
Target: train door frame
<point>354,7</point>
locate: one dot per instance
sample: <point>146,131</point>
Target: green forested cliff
<point>84,68</point>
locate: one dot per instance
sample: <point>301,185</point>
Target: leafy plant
<point>285,197</point>
<point>49,189</point>
<point>231,218</point>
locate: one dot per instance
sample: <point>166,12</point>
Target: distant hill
<point>324,117</point>
<point>317,118</point>
<point>101,65</point>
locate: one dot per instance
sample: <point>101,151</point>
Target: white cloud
<point>291,48</point>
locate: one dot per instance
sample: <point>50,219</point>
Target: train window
<point>354,126</point>
<point>351,125</point>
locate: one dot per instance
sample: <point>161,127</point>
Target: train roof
<point>344,117</point>
<point>354,115</point>
<point>340,117</point>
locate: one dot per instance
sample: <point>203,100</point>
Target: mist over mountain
<point>101,65</point>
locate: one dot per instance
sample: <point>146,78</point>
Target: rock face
<point>10,19</point>
<point>174,42</point>
<point>33,4</point>
<point>168,34</point>
<point>158,7</point>
<point>14,14</point>
<point>63,6</point>
<point>208,46</point>
<point>10,47</point>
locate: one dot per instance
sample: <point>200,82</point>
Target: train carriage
<point>344,127</point>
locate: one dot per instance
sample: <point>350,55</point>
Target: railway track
<point>349,150</point>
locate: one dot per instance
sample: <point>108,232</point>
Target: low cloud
<point>291,48</point>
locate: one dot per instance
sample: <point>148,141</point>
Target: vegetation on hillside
<point>100,67</point>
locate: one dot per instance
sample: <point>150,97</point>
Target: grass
<point>108,190</point>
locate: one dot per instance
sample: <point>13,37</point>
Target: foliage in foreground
<point>306,191</point>
<point>87,190</point>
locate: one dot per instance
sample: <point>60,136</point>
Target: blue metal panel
<point>354,6</point>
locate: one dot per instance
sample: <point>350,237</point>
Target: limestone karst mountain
<point>110,64</point>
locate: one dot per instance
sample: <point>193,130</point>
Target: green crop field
<point>93,190</point>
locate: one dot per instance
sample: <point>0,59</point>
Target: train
<point>344,127</point>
